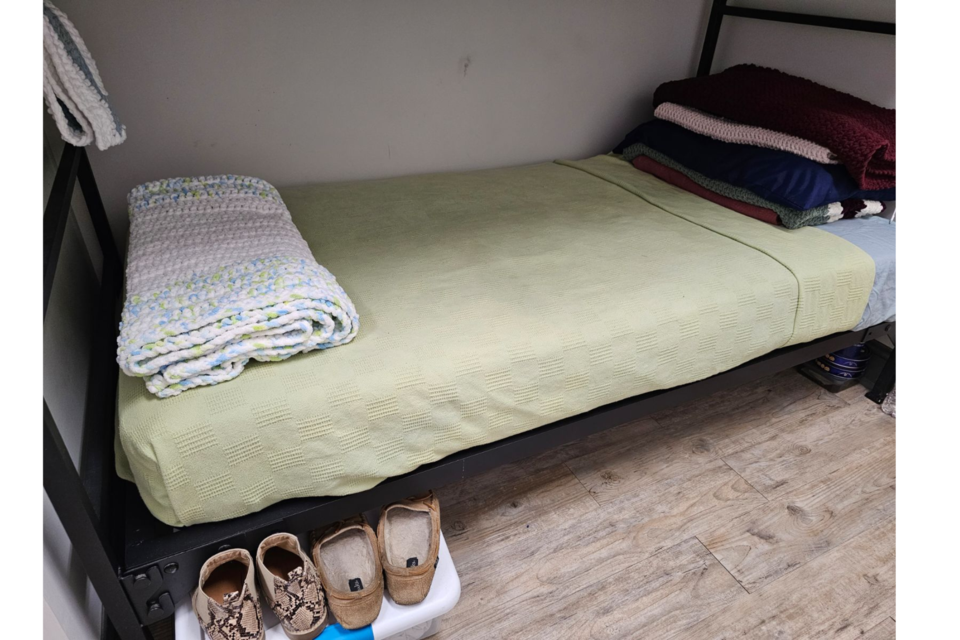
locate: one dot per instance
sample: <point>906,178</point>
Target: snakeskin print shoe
<point>226,601</point>
<point>409,537</point>
<point>289,582</point>
<point>349,566</point>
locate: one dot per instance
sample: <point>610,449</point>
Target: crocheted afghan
<point>729,131</point>
<point>217,274</point>
<point>72,86</point>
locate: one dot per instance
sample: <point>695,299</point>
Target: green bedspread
<point>491,303</point>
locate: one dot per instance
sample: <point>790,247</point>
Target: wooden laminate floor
<point>762,512</point>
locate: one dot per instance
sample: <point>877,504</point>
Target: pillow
<point>777,176</point>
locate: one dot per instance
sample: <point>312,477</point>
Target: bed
<point>503,313</point>
<point>492,303</point>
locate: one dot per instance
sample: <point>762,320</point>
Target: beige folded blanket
<point>729,131</point>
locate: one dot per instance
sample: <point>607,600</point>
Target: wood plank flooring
<point>762,512</point>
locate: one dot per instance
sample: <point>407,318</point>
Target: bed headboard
<point>721,9</point>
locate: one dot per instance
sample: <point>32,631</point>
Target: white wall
<point>309,91</point>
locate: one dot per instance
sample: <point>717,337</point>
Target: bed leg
<point>885,380</point>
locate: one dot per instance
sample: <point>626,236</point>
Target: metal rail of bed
<point>140,567</point>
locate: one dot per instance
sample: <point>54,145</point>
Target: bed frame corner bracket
<point>150,600</point>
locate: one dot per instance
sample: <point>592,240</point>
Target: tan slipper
<point>226,601</point>
<point>409,538</point>
<point>349,566</point>
<point>291,587</point>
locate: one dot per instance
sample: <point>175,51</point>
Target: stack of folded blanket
<point>772,146</point>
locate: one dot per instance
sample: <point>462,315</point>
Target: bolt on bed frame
<point>141,567</point>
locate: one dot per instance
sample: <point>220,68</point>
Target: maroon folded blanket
<point>862,135</point>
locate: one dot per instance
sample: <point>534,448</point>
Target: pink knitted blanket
<point>729,131</point>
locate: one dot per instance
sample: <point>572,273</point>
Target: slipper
<point>409,538</point>
<point>349,565</point>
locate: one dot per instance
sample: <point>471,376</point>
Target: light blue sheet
<point>878,237</point>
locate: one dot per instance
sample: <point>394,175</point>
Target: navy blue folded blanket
<point>778,176</point>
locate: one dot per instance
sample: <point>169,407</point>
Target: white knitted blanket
<point>217,273</point>
<point>72,86</point>
<point>729,131</point>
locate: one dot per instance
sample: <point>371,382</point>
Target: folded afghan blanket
<point>217,274</point>
<point>790,218</point>
<point>72,87</point>
<point>729,131</point>
<point>862,135</point>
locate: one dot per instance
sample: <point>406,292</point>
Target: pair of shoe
<point>353,560</point>
<point>227,604</point>
<point>348,560</point>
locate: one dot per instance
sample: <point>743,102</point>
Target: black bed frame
<point>141,567</point>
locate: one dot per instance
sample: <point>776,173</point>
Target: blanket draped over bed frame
<point>494,302</point>
<point>72,88</point>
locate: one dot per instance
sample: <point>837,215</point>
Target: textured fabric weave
<point>734,132</point>
<point>878,237</point>
<point>218,274</point>
<point>494,302</point>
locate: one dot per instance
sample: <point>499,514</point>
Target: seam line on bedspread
<point>614,181</point>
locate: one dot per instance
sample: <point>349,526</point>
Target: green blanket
<point>490,303</point>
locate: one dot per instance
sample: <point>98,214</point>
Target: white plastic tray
<point>395,622</point>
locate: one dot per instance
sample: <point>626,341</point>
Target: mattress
<point>490,302</point>
<point>878,237</point>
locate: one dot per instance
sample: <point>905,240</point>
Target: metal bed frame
<point>141,567</point>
